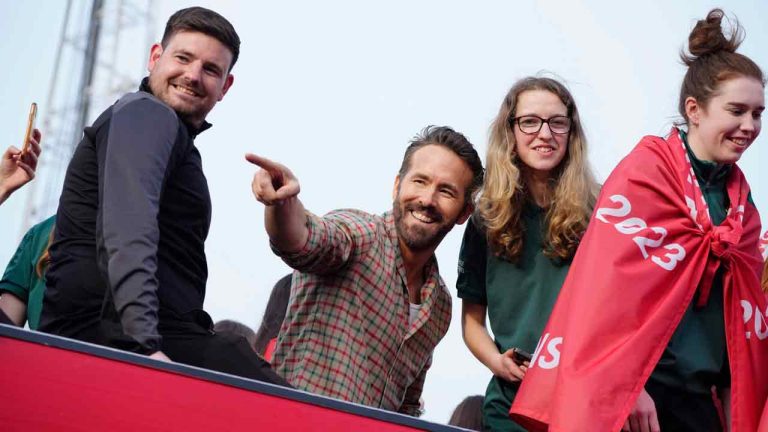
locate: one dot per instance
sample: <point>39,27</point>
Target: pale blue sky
<point>335,89</point>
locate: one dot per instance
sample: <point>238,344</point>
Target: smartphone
<point>30,128</point>
<point>519,356</point>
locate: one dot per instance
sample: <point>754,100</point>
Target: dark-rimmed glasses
<point>531,124</point>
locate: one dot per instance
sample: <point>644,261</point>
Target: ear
<point>227,84</point>
<point>692,110</point>
<point>465,214</point>
<point>396,187</point>
<point>154,55</point>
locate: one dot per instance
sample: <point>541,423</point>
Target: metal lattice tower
<point>102,54</point>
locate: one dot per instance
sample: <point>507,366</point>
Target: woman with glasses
<point>533,209</point>
<point>663,306</point>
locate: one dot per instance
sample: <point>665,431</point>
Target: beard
<point>190,112</point>
<point>420,237</point>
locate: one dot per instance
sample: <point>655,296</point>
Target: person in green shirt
<point>721,102</point>
<point>17,168</point>
<point>23,283</point>
<point>535,205</point>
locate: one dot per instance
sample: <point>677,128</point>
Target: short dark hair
<point>469,413</point>
<point>206,21</point>
<point>274,313</point>
<point>238,328</point>
<point>454,141</point>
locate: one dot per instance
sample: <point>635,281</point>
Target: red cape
<point>764,251</point>
<point>764,420</point>
<point>649,247</point>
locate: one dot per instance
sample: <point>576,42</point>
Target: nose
<point>545,132</point>
<point>193,72</point>
<point>428,197</point>
<point>750,124</point>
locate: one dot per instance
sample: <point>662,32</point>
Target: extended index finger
<point>264,163</point>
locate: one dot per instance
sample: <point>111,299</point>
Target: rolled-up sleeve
<point>332,240</point>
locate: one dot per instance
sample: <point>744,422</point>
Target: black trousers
<point>189,339</point>
<point>223,352</point>
<point>5,320</point>
<point>679,411</point>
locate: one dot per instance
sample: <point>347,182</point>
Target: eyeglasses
<point>531,124</point>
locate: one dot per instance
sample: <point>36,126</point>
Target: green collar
<point>707,173</point>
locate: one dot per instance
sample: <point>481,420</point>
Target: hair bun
<point>707,37</point>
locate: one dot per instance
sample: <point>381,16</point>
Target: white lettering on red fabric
<point>633,225</point>
<point>753,312</point>
<point>541,359</point>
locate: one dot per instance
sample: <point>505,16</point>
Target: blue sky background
<point>336,89</point>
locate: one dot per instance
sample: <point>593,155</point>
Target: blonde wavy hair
<point>572,190</point>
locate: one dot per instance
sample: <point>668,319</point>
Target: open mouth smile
<point>544,149</point>
<point>185,90</point>
<point>740,142</point>
<point>424,217</point>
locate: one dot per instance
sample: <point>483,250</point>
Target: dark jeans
<point>679,411</point>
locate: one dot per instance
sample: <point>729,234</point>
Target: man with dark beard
<point>367,304</point>
<point>128,266</point>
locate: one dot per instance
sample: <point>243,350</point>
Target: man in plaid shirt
<point>367,304</point>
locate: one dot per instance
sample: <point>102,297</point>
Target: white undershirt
<point>413,313</point>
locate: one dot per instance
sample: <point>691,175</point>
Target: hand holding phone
<point>519,356</point>
<point>30,128</point>
<point>17,168</point>
<point>510,365</point>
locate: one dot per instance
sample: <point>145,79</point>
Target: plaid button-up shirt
<point>346,333</point>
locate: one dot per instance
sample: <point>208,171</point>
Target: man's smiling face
<point>430,198</point>
<point>190,74</point>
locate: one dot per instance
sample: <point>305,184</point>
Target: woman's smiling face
<point>730,122</point>
<point>543,151</point>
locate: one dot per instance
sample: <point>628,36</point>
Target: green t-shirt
<point>519,296</point>
<point>696,357</point>
<point>20,277</point>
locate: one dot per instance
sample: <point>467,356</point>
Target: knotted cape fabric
<point>649,248</point>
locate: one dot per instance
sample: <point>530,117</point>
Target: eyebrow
<point>183,51</point>
<point>214,66</point>
<point>440,185</point>
<point>744,106</point>
<point>450,186</point>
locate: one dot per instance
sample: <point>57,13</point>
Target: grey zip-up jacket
<point>130,229</point>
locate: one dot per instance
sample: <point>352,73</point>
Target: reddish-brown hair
<point>712,59</point>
